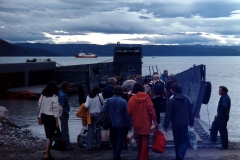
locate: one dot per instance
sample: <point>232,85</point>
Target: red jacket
<point>141,109</point>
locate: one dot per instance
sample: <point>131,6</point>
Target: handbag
<point>40,121</point>
<point>159,142</point>
<point>104,119</point>
<point>57,142</point>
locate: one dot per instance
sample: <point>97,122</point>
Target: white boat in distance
<point>86,55</point>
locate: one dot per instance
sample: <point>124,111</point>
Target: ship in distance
<point>86,55</point>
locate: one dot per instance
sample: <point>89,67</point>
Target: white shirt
<point>94,104</point>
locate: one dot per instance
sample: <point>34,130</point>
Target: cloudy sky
<point>185,22</point>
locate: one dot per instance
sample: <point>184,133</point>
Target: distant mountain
<point>8,49</point>
<point>42,49</point>
<point>147,50</point>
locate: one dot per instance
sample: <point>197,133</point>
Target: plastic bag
<point>192,138</point>
<point>131,141</point>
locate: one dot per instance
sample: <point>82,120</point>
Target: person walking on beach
<point>94,103</point>
<point>50,111</point>
<point>221,119</point>
<point>179,112</point>
<point>140,108</point>
<point>63,100</point>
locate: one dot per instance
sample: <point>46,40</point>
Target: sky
<point>154,22</point>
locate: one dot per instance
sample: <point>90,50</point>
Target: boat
<point>86,55</point>
<point>126,61</point>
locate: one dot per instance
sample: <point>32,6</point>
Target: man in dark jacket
<point>179,112</point>
<point>167,85</point>
<point>221,119</point>
<point>108,90</point>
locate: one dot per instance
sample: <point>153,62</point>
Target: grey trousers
<point>90,133</point>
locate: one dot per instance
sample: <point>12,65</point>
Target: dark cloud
<point>28,20</point>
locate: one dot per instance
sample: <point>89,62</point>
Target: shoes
<point>49,156</point>
<point>179,157</point>
<point>222,147</point>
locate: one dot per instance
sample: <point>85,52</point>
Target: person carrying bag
<point>159,141</point>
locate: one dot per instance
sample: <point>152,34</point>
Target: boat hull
<point>77,56</point>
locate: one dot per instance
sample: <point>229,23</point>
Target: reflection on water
<point>24,113</point>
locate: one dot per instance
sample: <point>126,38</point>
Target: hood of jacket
<point>140,97</point>
<point>179,96</point>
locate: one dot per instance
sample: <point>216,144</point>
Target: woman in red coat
<point>141,109</point>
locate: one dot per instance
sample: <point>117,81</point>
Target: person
<point>50,111</point>
<point>156,90</point>
<point>63,100</point>
<point>164,77</point>
<point>141,110</point>
<point>94,102</point>
<point>221,119</point>
<point>146,85</point>
<point>129,83</point>
<point>179,112</point>
<point>108,90</point>
<point>168,84</point>
<point>116,106</point>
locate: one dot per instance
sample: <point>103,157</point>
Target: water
<point>219,71</point>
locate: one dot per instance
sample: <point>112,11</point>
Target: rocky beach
<point>20,144</point>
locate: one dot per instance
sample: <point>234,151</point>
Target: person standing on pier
<point>179,112</point>
<point>221,119</point>
<point>63,100</point>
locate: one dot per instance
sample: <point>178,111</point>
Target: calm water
<point>219,71</point>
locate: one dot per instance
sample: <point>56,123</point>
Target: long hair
<point>50,89</point>
<point>137,87</point>
<point>94,92</point>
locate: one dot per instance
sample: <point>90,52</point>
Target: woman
<point>94,102</point>
<point>141,109</point>
<point>50,110</point>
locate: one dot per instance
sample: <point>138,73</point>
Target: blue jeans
<point>90,133</point>
<point>65,131</point>
<point>117,138</point>
<point>180,139</point>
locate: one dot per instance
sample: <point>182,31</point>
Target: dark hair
<point>155,73</point>
<point>94,92</point>
<point>50,89</point>
<point>137,87</point>
<point>224,88</point>
<point>65,85</point>
<point>118,90</point>
<point>130,77</point>
<point>165,71</point>
<point>176,87</point>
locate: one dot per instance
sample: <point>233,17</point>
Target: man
<point>179,112</point>
<point>164,77</point>
<point>168,84</point>
<point>128,84</point>
<point>63,100</point>
<point>116,106</point>
<point>108,90</point>
<point>221,119</point>
<point>156,89</point>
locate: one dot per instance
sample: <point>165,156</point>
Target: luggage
<point>158,88</point>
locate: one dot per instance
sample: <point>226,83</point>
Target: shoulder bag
<point>104,119</point>
<point>40,121</point>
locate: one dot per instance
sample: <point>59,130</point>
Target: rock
<point>3,111</point>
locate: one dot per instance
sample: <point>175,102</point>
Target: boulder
<point>3,111</point>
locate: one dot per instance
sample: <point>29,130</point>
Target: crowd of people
<point>131,106</point>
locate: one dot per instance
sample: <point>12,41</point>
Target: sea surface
<point>219,71</point>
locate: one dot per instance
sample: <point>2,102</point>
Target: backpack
<point>158,88</point>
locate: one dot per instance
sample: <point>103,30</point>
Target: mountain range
<point>45,49</point>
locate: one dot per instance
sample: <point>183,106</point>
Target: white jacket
<point>94,104</point>
<point>50,106</point>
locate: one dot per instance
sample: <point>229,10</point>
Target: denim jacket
<point>116,106</point>
<point>63,100</point>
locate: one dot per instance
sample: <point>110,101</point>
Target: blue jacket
<point>63,100</point>
<point>108,91</point>
<point>164,79</point>
<point>224,106</point>
<point>117,109</point>
<point>179,111</point>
